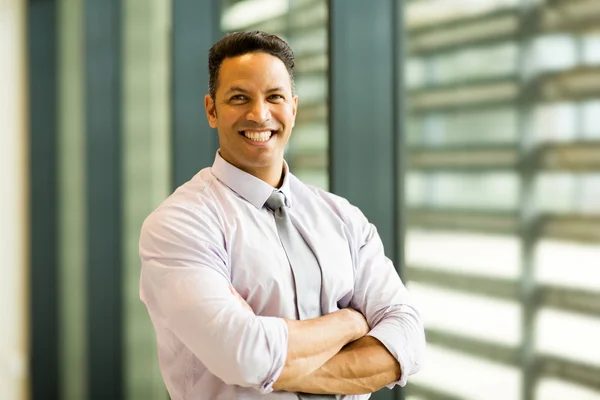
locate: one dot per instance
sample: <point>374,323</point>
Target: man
<point>261,286</point>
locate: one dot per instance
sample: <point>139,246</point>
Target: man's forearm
<point>361,367</point>
<point>311,343</point>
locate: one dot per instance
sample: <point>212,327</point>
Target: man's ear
<point>211,111</point>
<point>295,108</point>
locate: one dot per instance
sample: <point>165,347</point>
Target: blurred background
<point>468,131</point>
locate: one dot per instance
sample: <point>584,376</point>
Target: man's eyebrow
<point>239,89</point>
<point>236,89</point>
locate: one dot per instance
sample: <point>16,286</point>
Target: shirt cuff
<point>403,343</point>
<point>278,343</point>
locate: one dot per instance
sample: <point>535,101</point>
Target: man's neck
<point>270,174</point>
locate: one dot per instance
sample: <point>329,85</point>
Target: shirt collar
<point>249,187</point>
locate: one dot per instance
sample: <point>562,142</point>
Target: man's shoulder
<point>332,200</point>
<point>188,202</point>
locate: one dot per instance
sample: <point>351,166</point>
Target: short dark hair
<point>239,43</point>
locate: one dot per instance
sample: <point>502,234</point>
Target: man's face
<point>253,110</point>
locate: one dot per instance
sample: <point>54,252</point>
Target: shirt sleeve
<point>380,295</point>
<point>185,286</point>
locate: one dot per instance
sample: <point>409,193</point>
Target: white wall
<point>13,203</point>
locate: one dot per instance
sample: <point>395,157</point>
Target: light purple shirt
<point>214,231</point>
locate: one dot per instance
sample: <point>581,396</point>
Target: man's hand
<point>241,299</point>
<point>359,323</point>
<point>362,327</point>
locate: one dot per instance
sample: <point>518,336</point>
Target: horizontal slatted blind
<point>503,190</point>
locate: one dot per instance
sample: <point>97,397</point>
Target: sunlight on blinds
<point>503,196</point>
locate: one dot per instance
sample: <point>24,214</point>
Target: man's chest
<point>261,271</point>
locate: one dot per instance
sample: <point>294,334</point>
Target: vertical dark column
<point>364,131</point>
<point>102,25</point>
<point>196,26</point>
<point>399,94</point>
<point>365,116</point>
<point>41,32</point>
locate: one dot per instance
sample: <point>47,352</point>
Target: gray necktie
<point>305,268</point>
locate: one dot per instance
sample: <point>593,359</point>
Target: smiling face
<point>254,111</point>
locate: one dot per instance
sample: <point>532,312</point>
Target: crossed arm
<point>332,355</point>
<point>361,367</point>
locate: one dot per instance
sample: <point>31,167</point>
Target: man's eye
<point>276,97</point>
<point>238,97</point>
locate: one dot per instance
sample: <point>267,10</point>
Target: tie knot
<point>276,200</point>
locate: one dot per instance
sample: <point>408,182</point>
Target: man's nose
<point>259,112</point>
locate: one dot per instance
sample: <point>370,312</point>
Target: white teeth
<point>258,136</point>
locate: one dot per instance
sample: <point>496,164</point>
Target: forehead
<point>253,69</point>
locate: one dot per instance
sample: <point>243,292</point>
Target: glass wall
<point>145,176</point>
<point>303,23</point>
<point>503,196</point>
